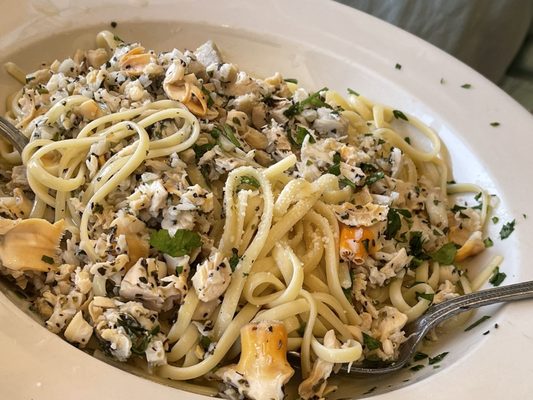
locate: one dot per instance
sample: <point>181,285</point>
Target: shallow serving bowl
<point>320,43</point>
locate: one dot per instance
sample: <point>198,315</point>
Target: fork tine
<point>13,135</point>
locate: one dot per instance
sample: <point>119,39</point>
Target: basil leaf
<point>182,243</point>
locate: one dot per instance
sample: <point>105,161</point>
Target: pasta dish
<point>173,212</point>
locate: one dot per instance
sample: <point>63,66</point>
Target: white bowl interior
<point>315,66</point>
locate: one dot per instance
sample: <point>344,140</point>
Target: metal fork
<point>416,330</point>
<point>13,135</point>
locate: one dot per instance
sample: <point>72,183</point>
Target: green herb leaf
<point>370,342</point>
<point>140,337</point>
<point>394,223</point>
<point>507,229</point>
<point>466,86</point>
<point>497,277</point>
<point>398,66</point>
<point>376,176</point>
<point>494,124</point>
<point>201,149</point>
<point>47,259</point>
<point>118,39</point>
<point>42,90</point>
<point>417,367</point>
<point>313,100</point>
<point>207,94</point>
<point>488,242</point>
<point>407,139</point>
<point>426,296</point>
<point>291,80</point>
<point>205,342</point>
<point>346,182</point>
<point>250,181</point>
<point>351,91</point>
<point>229,133</point>
<point>335,169</point>
<point>479,321</point>
<point>495,220</point>
<point>399,115</point>
<point>179,269</point>
<point>234,259</point>
<point>438,358</point>
<point>420,356</point>
<point>415,245</point>
<point>301,329</point>
<point>97,208</point>
<point>182,243</point>
<point>446,254</point>
<point>300,135</point>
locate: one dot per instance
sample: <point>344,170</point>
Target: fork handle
<point>15,137</point>
<point>447,309</point>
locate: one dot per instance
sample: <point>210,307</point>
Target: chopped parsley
<point>420,356</point>
<point>118,39</point>
<point>398,66</point>
<point>207,94</point>
<point>488,242</point>
<point>346,182</point>
<point>140,337</point>
<point>407,139</point>
<point>370,342</point>
<point>97,208</point>
<point>394,222</point>
<point>415,245</point>
<point>399,115</point>
<point>426,296</point>
<point>205,342</point>
<point>226,131</point>
<point>182,243</point>
<point>234,259</point>
<point>418,367</point>
<point>494,124</point>
<point>437,358</point>
<point>47,259</point>
<point>446,254</point>
<point>291,80</point>
<point>466,86</point>
<point>113,24</point>
<point>495,220</point>
<point>179,269</point>
<point>250,181</point>
<point>479,321</point>
<point>313,100</point>
<point>335,169</point>
<point>442,81</point>
<point>201,149</point>
<point>351,91</point>
<point>299,137</point>
<point>376,176</point>
<point>507,229</point>
<point>497,277</point>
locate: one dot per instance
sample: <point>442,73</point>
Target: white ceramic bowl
<point>321,43</point>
